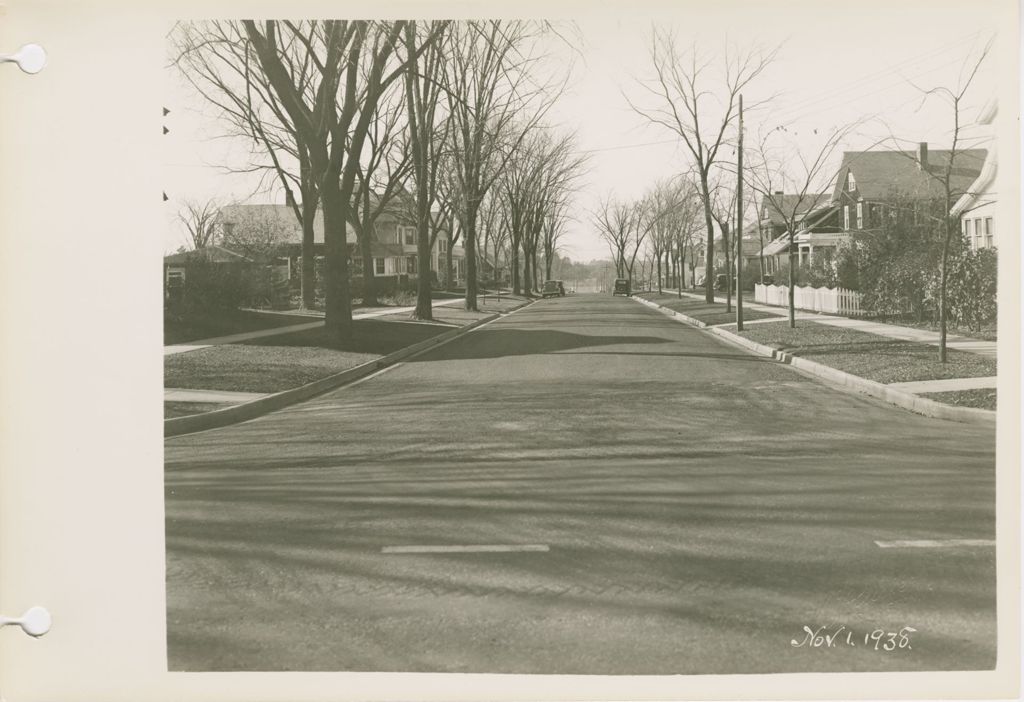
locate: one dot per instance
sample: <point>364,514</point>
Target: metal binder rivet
<point>30,58</point>
<point>35,622</point>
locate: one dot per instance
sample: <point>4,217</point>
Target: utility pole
<point>739,228</point>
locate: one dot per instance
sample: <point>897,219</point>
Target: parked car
<point>720,283</point>
<point>553,288</point>
<point>621,287</point>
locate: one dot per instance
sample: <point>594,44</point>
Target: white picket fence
<point>829,300</point>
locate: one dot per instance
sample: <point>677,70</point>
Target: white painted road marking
<point>935,543</point>
<point>481,548</point>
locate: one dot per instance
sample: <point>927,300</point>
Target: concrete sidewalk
<point>903,394</point>
<point>949,385</point>
<point>892,331</point>
<point>224,396</point>
<point>274,331</point>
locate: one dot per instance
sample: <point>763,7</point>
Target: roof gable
<point>210,254</point>
<point>880,174</point>
<point>795,204</point>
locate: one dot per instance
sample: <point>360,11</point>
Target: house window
<point>846,216</point>
<point>407,235</point>
<point>977,233</point>
<point>410,265</point>
<point>851,182</point>
<point>442,245</point>
<point>988,232</point>
<point>860,215</point>
<point>378,266</point>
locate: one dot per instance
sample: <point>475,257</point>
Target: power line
<point>799,114</point>
<point>626,146</point>
<point>841,93</point>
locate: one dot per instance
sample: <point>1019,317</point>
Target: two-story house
<point>870,182</point>
<point>275,229</point>
<point>976,207</point>
<point>817,229</point>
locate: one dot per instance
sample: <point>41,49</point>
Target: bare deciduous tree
<point>200,221</point>
<point>789,181</point>
<point>354,66</point>
<point>427,139</point>
<point>700,108</point>
<point>216,59</point>
<point>382,173</point>
<point>494,100</point>
<point>954,97</point>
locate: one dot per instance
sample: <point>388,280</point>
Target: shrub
<point>818,274</point>
<point>210,287</point>
<point>971,289</point>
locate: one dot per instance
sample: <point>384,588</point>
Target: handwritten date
<point>842,637</point>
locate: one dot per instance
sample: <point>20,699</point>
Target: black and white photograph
<point>585,347</point>
<point>671,344</point>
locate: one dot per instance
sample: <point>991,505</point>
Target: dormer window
<point>407,235</point>
<point>851,182</point>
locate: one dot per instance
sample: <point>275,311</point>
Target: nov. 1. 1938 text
<point>876,639</point>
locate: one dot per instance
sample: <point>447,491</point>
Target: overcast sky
<point>837,63</point>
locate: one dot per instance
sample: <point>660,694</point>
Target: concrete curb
<point>177,426</point>
<point>894,396</point>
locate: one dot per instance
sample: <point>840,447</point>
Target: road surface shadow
<point>498,343</point>
<point>368,336</point>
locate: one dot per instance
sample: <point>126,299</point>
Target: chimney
<point>922,156</point>
<point>289,198</point>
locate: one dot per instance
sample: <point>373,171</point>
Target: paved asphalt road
<point>699,506</point>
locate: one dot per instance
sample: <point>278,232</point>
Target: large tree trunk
<point>527,278</point>
<point>494,269</point>
<point>514,269</point>
<point>469,244</point>
<point>366,253</point>
<point>709,259</point>
<point>682,273</point>
<point>423,310</point>
<point>338,304</point>
<point>449,268</point>
<point>659,272</point>
<point>308,275</point>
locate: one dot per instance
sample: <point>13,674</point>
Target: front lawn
<point>174,408</point>
<point>987,333</point>
<point>982,398</point>
<point>700,310</point>
<point>868,355</point>
<point>291,359</point>
<point>180,329</point>
<point>377,336</point>
<point>252,368</point>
